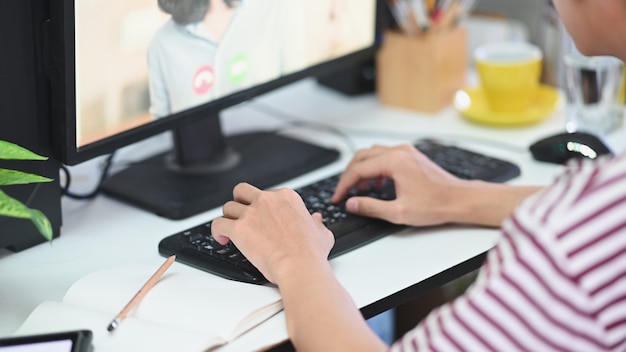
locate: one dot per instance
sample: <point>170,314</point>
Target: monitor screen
<point>124,70</point>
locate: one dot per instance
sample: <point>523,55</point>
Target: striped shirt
<point>556,279</point>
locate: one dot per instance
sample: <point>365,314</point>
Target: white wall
<point>527,11</point>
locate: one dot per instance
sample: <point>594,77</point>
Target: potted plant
<point>12,207</point>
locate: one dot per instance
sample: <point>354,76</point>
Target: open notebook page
<point>194,303</point>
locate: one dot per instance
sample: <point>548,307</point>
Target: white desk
<point>104,232</point>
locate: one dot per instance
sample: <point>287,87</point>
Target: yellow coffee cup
<point>509,73</point>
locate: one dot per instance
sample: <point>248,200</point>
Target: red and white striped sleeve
<point>555,281</point>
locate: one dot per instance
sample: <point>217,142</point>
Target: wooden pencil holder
<point>422,72</point>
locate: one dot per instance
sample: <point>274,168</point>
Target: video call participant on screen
<point>554,281</point>
<point>210,48</point>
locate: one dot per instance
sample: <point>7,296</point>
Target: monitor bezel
<point>60,34</point>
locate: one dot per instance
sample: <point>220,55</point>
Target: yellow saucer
<point>472,104</point>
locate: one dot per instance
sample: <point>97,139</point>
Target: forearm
<point>488,204</point>
<point>321,316</point>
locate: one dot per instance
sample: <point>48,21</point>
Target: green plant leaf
<point>41,223</point>
<point>14,177</point>
<point>12,151</point>
<point>12,207</point>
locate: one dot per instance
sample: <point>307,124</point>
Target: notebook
<point>183,309</point>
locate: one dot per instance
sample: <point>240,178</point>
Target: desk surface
<point>104,232</point>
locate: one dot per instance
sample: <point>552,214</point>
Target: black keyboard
<point>196,247</point>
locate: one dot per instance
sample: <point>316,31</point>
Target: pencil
<point>441,8</point>
<point>430,6</point>
<point>401,14</point>
<point>419,12</point>
<point>450,15</point>
<point>141,293</point>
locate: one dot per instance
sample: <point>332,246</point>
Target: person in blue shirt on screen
<point>555,281</point>
<point>211,48</point>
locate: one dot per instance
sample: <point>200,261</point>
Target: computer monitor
<point>124,70</point>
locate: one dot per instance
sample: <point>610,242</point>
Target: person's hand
<point>425,192</point>
<point>274,230</point>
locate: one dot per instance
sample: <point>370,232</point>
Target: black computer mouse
<point>559,148</point>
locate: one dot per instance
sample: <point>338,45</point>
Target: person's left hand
<point>274,230</point>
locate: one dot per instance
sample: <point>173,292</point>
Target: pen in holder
<point>421,72</point>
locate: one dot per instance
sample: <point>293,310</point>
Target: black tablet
<point>70,341</point>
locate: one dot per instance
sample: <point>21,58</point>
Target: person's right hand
<point>424,191</point>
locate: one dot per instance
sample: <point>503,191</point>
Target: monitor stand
<point>201,172</point>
